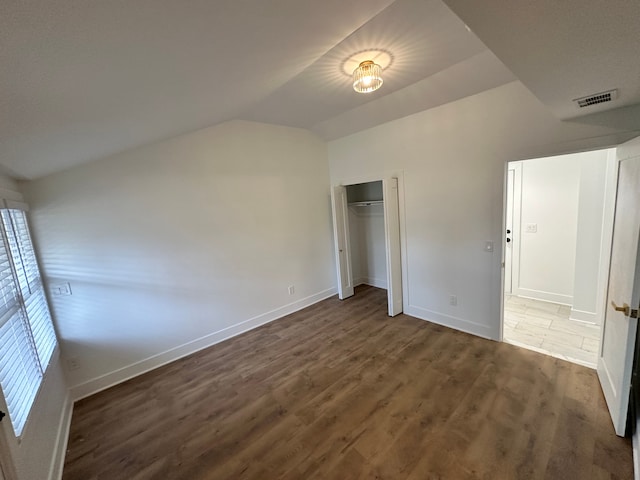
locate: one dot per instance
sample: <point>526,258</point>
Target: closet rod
<point>366,203</point>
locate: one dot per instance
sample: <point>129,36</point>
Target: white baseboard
<point>582,316</point>
<point>545,296</point>
<point>62,439</point>
<point>450,321</point>
<point>110,379</point>
<point>374,282</point>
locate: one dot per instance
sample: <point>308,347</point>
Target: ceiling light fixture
<point>367,77</point>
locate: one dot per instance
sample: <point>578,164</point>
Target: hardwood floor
<point>341,391</point>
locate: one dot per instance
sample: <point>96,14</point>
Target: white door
<point>392,241</point>
<point>341,241</point>
<point>508,250</point>
<point>623,296</point>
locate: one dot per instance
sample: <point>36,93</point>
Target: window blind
<point>27,336</point>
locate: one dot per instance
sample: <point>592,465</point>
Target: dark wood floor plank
<point>341,391</point>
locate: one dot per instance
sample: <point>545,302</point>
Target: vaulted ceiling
<point>85,80</point>
<point>564,50</point>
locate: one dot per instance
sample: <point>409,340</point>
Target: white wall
<point>597,180</point>
<point>180,244</point>
<point>39,454</point>
<point>550,189</point>
<point>453,158</point>
<point>354,244</point>
<point>564,196</point>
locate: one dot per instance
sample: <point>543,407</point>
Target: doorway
<point>366,234</point>
<point>366,220</point>
<point>558,229</point>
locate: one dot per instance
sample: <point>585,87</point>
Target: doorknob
<point>628,311</point>
<point>624,308</point>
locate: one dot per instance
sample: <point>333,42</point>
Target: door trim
<point>377,177</point>
<point>516,167</point>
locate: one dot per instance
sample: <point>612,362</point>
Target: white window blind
<point>27,337</point>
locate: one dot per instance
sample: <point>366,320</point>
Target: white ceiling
<point>563,50</point>
<point>423,38</point>
<point>84,80</point>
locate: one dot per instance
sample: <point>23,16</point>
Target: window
<point>27,337</point>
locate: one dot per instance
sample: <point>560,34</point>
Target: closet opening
<point>366,234</point>
<point>367,238</point>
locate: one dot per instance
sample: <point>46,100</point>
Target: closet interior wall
<point>366,230</point>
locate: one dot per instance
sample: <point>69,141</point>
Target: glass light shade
<point>367,77</point>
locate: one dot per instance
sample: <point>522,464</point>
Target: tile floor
<point>546,328</point>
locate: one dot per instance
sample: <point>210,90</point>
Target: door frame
<point>508,233</point>
<point>379,177</point>
<point>516,167</point>
<point>611,189</point>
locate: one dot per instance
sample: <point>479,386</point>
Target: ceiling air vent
<point>597,98</point>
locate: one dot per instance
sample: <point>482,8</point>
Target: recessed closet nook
<point>366,229</point>
<point>366,234</point>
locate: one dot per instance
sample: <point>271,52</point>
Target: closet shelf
<point>367,203</point>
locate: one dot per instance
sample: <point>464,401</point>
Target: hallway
<point>545,327</point>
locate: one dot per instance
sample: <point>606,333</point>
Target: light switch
<point>532,228</point>
<point>60,289</point>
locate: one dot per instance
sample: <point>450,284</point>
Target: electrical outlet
<point>532,228</point>
<point>453,300</point>
<point>291,289</point>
